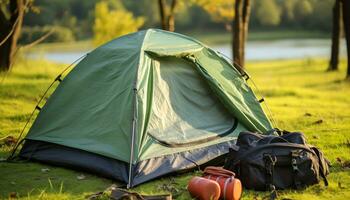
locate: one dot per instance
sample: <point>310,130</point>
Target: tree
<point>167,15</point>
<point>333,63</point>
<point>240,32</point>
<point>238,12</point>
<point>346,20</point>
<point>113,23</point>
<point>288,10</point>
<point>11,18</point>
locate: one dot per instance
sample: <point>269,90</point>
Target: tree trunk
<point>333,63</point>
<point>163,14</point>
<point>5,47</point>
<point>167,19</point>
<point>246,16</point>
<point>346,20</point>
<point>237,35</point>
<point>10,34</point>
<point>240,32</point>
<point>171,18</point>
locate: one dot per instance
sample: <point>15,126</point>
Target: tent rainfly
<point>145,105</point>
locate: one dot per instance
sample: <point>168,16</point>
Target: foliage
<point>287,7</point>
<point>299,92</point>
<point>268,12</point>
<point>113,23</point>
<point>77,15</point>
<point>219,10</point>
<point>321,17</point>
<point>30,7</point>
<point>148,10</point>
<point>303,9</point>
<point>59,34</point>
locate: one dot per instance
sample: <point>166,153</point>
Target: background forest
<point>73,19</point>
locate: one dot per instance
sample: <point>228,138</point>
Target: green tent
<point>142,106</point>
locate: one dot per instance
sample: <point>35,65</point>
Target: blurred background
<point>278,29</point>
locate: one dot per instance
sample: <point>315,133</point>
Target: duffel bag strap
<point>276,132</point>
<point>321,166</point>
<point>296,172</point>
<point>270,162</point>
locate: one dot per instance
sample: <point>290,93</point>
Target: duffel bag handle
<point>277,140</point>
<point>218,171</point>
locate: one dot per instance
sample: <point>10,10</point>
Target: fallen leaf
<point>13,195</point>
<point>340,186</point>
<point>320,121</point>
<point>346,164</point>
<point>347,143</point>
<point>10,140</point>
<point>339,160</point>
<point>45,170</point>
<point>307,114</point>
<point>81,177</point>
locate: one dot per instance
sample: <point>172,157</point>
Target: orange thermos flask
<point>231,187</point>
<point>203,189</point>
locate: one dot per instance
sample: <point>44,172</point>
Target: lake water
<point>256,50</point>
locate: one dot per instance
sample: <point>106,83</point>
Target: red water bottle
<point>231,187</point>
<point>203,189</point>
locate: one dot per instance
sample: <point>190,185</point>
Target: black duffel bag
<point>270,162</point>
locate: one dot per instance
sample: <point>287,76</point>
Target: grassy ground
<point>84,45</point>
<point>301,95</point>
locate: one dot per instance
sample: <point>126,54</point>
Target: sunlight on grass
<point>301,95</point>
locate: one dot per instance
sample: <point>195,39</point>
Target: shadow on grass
<point>329,84</point>
<point>33,180</point>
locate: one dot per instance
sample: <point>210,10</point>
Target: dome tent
<point>144,105</point>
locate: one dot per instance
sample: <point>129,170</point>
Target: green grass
<point>299,93</point>
<point>84,45</point>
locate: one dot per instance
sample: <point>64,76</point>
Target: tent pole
<point>135,113</point>
<point>133,131</point>
<point>131,153</point>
